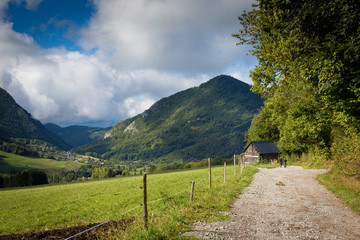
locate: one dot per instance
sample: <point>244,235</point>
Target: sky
<point>73,61</point>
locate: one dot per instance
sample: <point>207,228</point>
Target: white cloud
<point>182,36</point>
<point>145,50</point>
<point>31,4</point>
<point>57,85</point>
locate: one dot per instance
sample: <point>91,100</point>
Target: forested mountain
<point>16,122</point>
<point>205,121</point>
<point>75,135</point>
<point>309,73</point>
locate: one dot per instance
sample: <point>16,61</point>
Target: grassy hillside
<point>9,161</point>
<point>57,206</point>
<point>205,121</point>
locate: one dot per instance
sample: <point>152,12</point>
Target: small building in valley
<point>261,150</point>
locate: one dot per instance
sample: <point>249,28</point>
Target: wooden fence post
<point>224,172</point>
<point>240,164</point>
<point>145,212</point>
<point>192,191</point>
<point>234,166</point>
<point>242,159</point>
<point>209,160</point>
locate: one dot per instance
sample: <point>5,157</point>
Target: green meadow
<point>9,161</point>
<point>57,206</point>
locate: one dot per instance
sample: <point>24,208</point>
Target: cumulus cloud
<point>182,36</point>
<point>57,85</point>
<point>141,51</point>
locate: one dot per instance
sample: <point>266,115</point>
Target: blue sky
<point>53,23</point>
<point>107,60</point>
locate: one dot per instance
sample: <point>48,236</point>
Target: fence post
<point>242,158</point>
<point>234,166</point>
<point>192,191</point>
<point>209,160</point>
<point>224,172</point>
<point>145,212</point>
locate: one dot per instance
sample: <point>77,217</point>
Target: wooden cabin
<point>261,150</point>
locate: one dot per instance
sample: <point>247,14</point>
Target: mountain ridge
<point>16,122</point>
<point>76,135</point>
<point>184,125</point>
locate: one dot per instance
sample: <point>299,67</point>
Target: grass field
<point>57,206</point>
<point>9,161</point>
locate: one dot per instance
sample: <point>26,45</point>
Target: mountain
<point>76,135</point>
<point>90,123</point>
<point>16,122</point>
<point>205,121</point>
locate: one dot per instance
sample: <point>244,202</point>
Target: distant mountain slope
<point>205,121</point>
<point>75,135</point>
<point>16,122</point>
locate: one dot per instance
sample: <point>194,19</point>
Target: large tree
<point>308,69</point>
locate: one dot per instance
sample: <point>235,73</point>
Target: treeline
<point>308,72</point>
<point>33,148</point>
<point>86,172</point>
<point>23,178</point>
<point>175,166</point>
<point>17,149</point>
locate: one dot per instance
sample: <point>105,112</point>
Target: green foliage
<point>19,150</point>
<point>309,73</point>
<point>103,172</point>
<point>24,178</point>
<point>346,151</point>
<point>81,174</point>
<point>205,121</point>
<point>18,123</point>
<point>175,166</point>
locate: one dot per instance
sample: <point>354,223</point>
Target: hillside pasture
<point>58,206</point>
<point>9,161</point>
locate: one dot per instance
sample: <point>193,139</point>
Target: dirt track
<point>284,203</point>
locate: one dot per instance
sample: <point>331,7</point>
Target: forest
<point>308,75</point>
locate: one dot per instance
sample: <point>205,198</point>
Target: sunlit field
<point>58,206</point>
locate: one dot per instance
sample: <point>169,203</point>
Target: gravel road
<point>284,203</point>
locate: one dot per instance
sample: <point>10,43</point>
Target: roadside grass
<point>52,207</point>
<point>345,188</point>
<point>9,161</point>
<point>174,215</point>
<point>266,165</point>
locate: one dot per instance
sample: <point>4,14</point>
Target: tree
<point>103,172</point>
<point>308,70</point>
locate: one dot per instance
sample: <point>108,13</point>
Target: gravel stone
<point>284,203</point>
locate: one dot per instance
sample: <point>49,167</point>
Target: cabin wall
<point>251,155</point>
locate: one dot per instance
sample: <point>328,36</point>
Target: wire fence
<point>89,229</point>
<point>136,207</point>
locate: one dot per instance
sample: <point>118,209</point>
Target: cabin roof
<point>264,147</point>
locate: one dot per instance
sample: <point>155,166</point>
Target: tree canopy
<point>308,71</point>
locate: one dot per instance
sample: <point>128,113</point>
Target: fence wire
<point>157,200</point>
<point>103,223</point>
